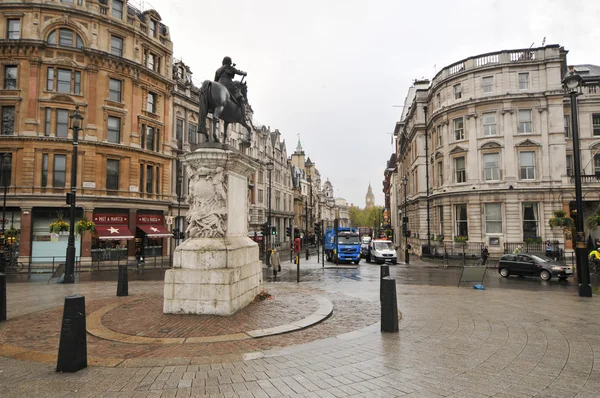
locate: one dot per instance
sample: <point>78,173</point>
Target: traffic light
<point>265,229</point>
<point>177,234</point>
<point>318,228</point>
<point>404,229</point>
<point>273,230</point>
<point>288,231</point>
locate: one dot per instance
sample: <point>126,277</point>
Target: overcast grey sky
<point>331,70</point>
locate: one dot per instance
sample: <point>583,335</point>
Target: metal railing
<point>557,249</point>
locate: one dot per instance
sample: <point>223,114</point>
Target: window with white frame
<point>457,91</point>
<point>490,166</point>
<point>527,165</point>
<point>597,164</point>
<point>525,121</point>
<point>117,9</point>
<point>151,103</point>
<point>10,77</point>
<point>488,84</point>
<point>489,124</point>
<point>62,122</point>
<point>459,129</point>
<point>567,120</point>
<point>115,89</point>
<point>462,226</point>
<point>65,38</point>
<point>260,196</point>
<point>493,218</point>
<point>596,123</point>
<point>569,161</point>
<point>440,166</point>
<point>114,130</point>
<point>440,137</point>
<point>13,29</point>
<point>441,220</point>
<point>116,46</point>
<point>60,171</point>
<point>459,169</point>
<point>524,81</point>
<point>530,220</point>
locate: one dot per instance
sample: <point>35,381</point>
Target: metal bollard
<point>72,349</point>
<point>122,281</point>
<point>389,305</point>
<point>2,297</point>
<point>384,271</point>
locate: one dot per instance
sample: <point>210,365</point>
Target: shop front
<point>150,234</point>
<point>49,243</point>
<point>109,242</point>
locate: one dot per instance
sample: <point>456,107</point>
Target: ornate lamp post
<point>308,180</point>
<point>76,119</point>
<point>270,167</point>
<point>405,223</point>
<point>572,82</point>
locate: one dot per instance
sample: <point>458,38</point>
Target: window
<point>440,137</point>
<point>493,218</point>
<point>570,165</point>
<point>112,175</point>
<point>68,1</point>
<point>44,170</point>
<point>440,166</point>
<point>117,9</point>
<point>459,167</point>
<point>527,163</point>
<point>114,130</point>
<point>13,29</point>
<point>523,81</point>
<point>157,172</point>
<point>115,87</point>
<point>152,27</point>
<point>488,84</point>
<point>597,164</point>
<point>60,171</point>
<point>179,130</point>
<point>438,98</point>
<point>525,125</point>
<point>459,131</point>
<point>116,46</point>
<point>567,126</point>
<point>596,123</point>
<point>142,179</point>
<point>149,179</point>
<point>150,138</point>
<point>6,159</point>
<point>77,83</point>
<point>457,91</point>
<point>260,196</point>
<point>151,103</point>
<point>151,61</point>
<point>462,227</point>
<point>64,81</point>
<point>66,38</point>
<point>489,124</point>
<point>530,220</point>
<point>10,77</point>
<point>192,133</point>
<point>490,167</point>
<point>8,120</point>
<point>62,122</point>
<point>441,220</point>
<point>48,122</point>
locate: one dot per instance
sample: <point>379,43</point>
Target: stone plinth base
<point>213,276</point>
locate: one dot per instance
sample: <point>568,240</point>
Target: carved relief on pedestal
<point>207,216</point>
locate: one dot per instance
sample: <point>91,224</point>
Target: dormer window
<point>66,38</point>
<point>117,9</point>
<point>152,27</point>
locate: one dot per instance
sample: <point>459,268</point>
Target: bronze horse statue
<point>215,98</point>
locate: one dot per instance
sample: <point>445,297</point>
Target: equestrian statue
<point>227,100</point>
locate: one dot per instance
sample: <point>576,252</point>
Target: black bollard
<point>72,349</point>
<point>122,281</point>
<point>389,305</point>
<point>384,271</point>
<point>2,297</point>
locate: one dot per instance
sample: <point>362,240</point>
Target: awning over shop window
<point>116,232</point>
<point>155,231</point>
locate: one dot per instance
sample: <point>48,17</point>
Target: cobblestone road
<point>456,342</point>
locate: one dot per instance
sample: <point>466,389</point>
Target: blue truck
<point>343,246</point>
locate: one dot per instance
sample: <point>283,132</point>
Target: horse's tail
<point>204,105</point>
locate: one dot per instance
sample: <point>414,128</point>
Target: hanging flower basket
<point>461,238</point>
<point>59,226</point>
<point>84,225</point>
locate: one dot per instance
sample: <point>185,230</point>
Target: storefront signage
<point>150,219</point>
<point>111,219</point>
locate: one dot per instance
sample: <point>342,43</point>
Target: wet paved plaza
<point>519,338</point>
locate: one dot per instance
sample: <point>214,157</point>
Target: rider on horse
<point>225,75</point>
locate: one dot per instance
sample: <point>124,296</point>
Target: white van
<point>382,251</point>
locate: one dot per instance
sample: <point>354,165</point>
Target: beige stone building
<point>499,150</point>
<point>114,63</point>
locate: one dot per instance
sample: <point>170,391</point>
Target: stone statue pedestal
<point>217,270</point>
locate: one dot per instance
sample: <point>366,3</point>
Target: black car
<point>526,264</point>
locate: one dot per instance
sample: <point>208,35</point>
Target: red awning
<point>116,232</point>
<point>155,231</point>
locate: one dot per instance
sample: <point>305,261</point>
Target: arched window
<point>65,38</point>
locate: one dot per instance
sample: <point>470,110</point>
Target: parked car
<point>381,251</point>
<point>527,264</point>
<point>364,246</point>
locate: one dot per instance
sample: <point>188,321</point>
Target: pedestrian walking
<point>275,262</point>
<point>139,259</point>
<point>484,255</point>
<point>517,250</point>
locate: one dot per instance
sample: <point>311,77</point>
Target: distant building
<point>369,198</point>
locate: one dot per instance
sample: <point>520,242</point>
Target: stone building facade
<point>498,150</point>
<point>113,62</point>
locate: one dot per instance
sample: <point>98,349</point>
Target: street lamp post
<point>427,180</point>
<point>4,184</point>
<point>179,192</point>
<point>308,179</point>
<point>572,82</point>
<point>405,222</point>
<point>270,167</point>
<point>76,119</point>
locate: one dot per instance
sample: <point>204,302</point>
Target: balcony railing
<point>588,179</point>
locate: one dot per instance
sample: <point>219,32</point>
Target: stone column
<point>216,271</point>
